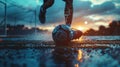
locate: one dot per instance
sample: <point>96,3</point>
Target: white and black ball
<point>64,34</point>
<point>61,34</point>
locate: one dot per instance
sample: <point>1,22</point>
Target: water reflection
<point>60,57</point>
<point>67,57</point>
<point>80,55</point>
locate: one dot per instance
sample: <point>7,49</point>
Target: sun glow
<point>85,22</point>
<point>80,28</point>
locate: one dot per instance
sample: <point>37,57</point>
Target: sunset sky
<point>87,13</point>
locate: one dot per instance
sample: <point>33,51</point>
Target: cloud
<point>57,10</point>
<point>99,13</point>
<point>117,1</point>
<point>81,5</point>
<point>55,14</point>
<point>115,11</point>
<point>99,9</point>
<point>95,2</point>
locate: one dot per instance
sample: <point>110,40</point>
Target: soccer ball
<point>61,34</point>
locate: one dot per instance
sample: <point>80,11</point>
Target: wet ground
<point>46,54</point>
<point>61,57</point>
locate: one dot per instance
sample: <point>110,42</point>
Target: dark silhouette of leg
<point>43,8</point>
<point>68,11</point>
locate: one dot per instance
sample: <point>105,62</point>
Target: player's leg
<point>43,8</point>
<point>68,11</point>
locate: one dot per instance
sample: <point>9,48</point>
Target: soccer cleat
<point>77,34</point>
<point>42,15</point>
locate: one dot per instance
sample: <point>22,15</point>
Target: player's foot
<point>77,34</point>
<point>42,15</point>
